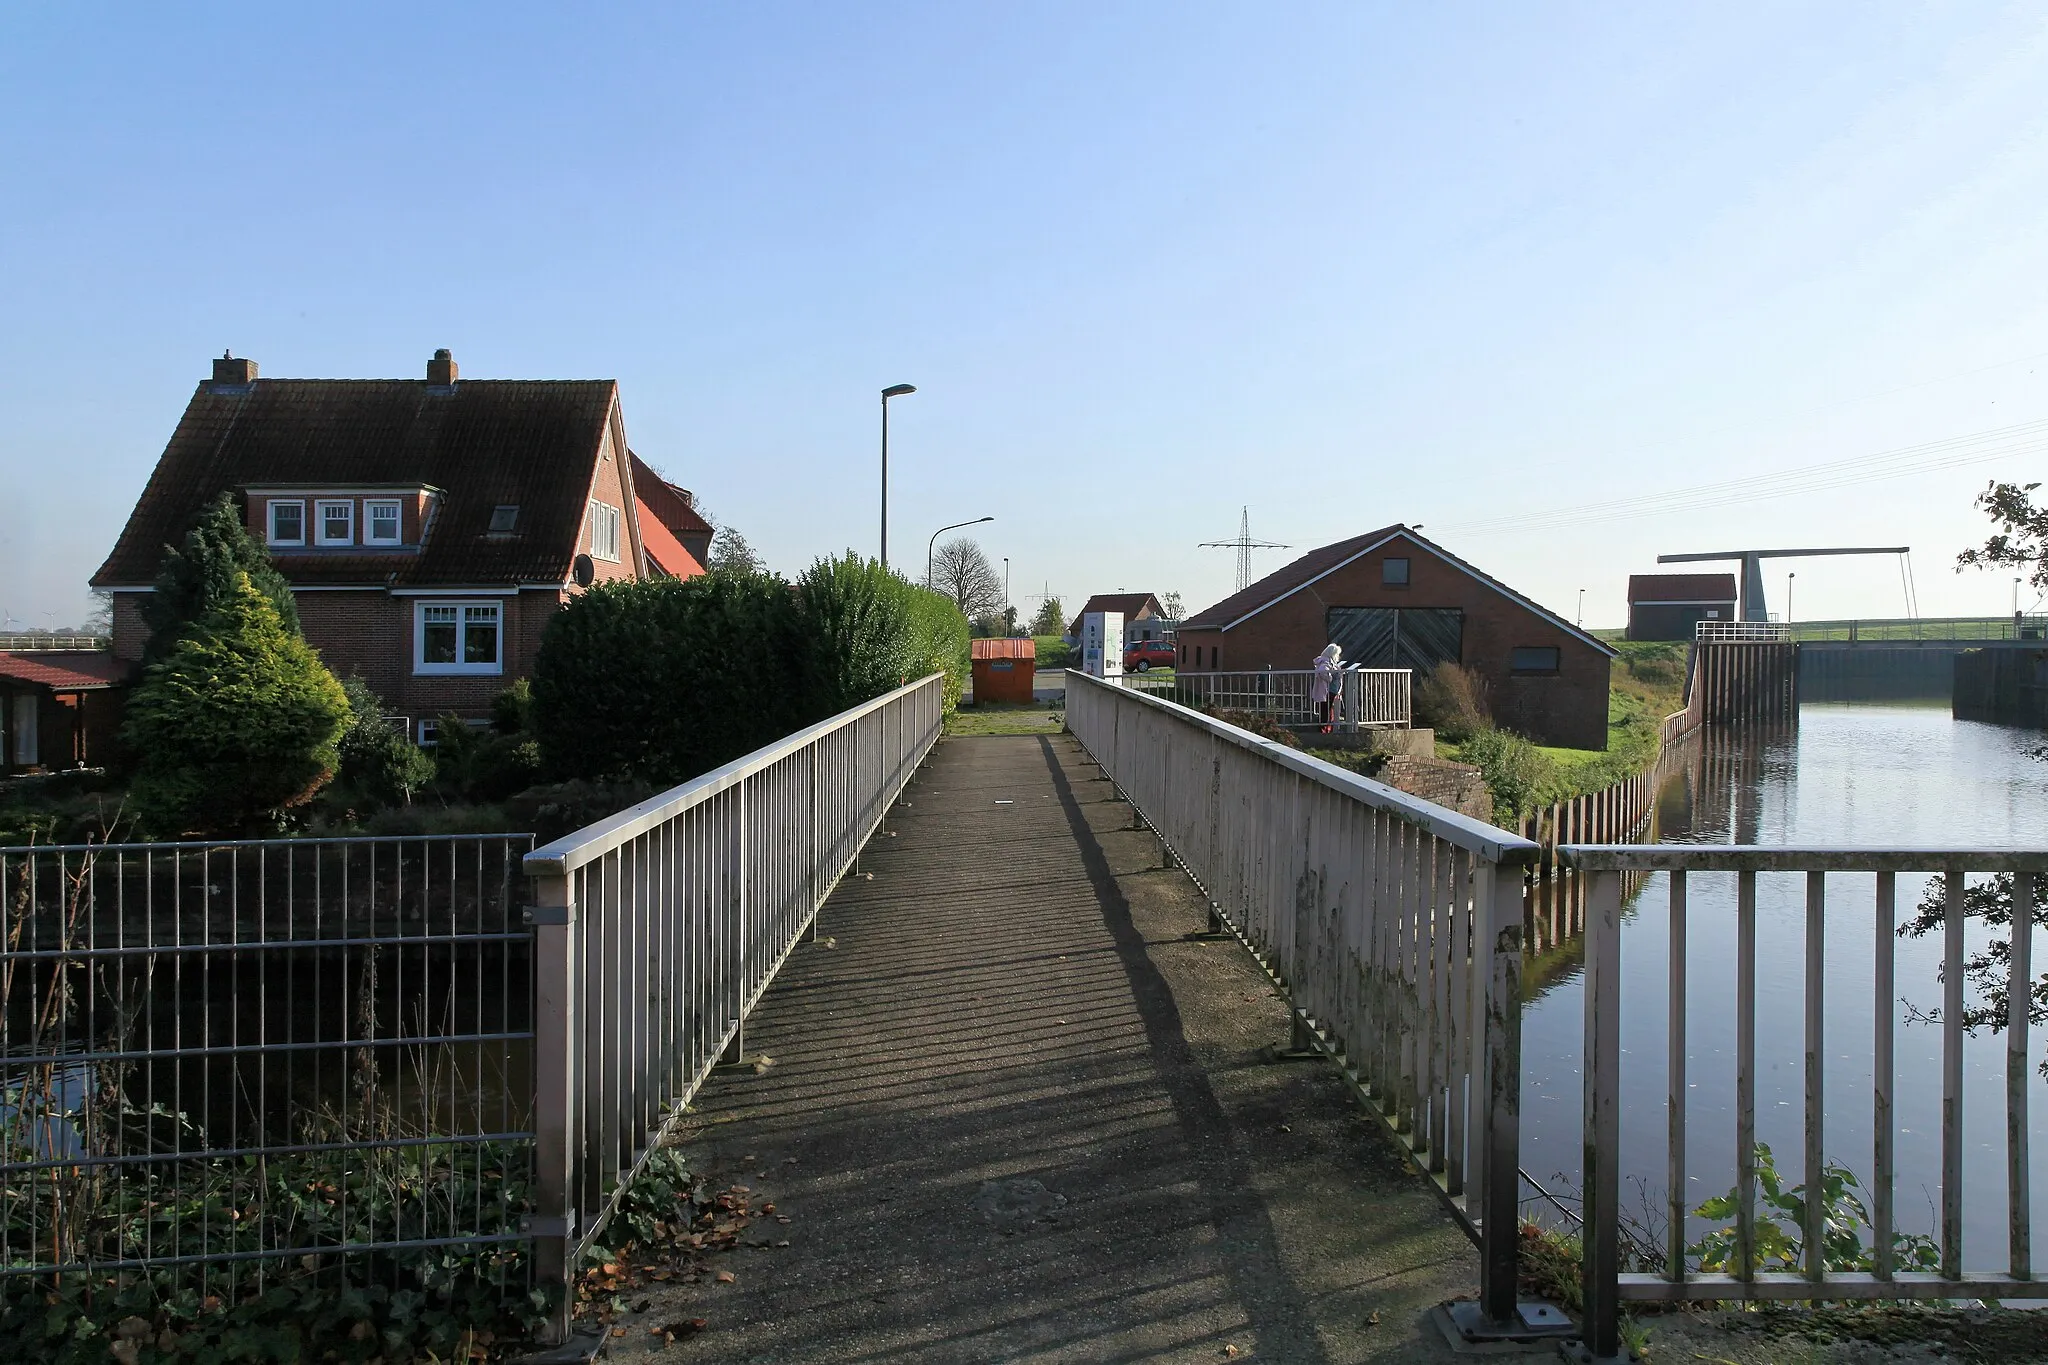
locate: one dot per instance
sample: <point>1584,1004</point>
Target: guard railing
<point>1370,698</point>
<point>1394,925</point>
<point>1607,1286</point>
<point>658,929</point>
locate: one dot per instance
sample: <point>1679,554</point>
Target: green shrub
<point>938,642</point>
<point>1516,771</point>
<point>853,617</point>
<point>236,725</point>
<point>663,679</point>
<point>475,763</point>
<point>197,577</point>
<point>1452,700</point>
<point>378,760</point>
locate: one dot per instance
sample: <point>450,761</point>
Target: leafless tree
<point>1171,608</point>
<point>962,572</point>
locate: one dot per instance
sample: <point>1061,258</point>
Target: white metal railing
<point>658,929</point>
<point>1606,1286</point>
<point>43,640</point>
<point>1741,632</point>
<point>1394,925</point>
<point>1371,698</point>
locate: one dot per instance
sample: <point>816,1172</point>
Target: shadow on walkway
<point>1014,1114</point>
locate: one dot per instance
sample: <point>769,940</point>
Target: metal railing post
<point>554,1086</point>
<point>1500,1222</point>
<point>1600,1174</point>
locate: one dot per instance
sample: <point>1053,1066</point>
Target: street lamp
<point>935,540</point>
<point>1581,619</point>
<point>1788,597</point>
<point>1006,592</point>
<point>893,391</point>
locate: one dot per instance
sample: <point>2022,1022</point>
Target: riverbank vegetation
<point>1646,684</point>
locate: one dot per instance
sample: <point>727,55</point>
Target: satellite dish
<point>583,571</point>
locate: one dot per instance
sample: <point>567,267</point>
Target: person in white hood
<point>1329,684</point>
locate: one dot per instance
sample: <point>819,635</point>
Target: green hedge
<point>661,680</point>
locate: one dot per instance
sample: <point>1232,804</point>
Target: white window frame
<point>270,521</point>
<point>603,516</point>
<point>321,506</point>
<point>462,608</point>
<point>370,510</point>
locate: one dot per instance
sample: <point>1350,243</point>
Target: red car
<point>1146,655</point>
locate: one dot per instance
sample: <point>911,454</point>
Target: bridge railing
<point>1741,632</point>
<point>1961,629</point>
<point>1370,698</point>
<point>657,930</point>
<point>1394,925</point>
<point>1821,1273</point>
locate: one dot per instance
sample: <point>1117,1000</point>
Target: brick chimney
<point>230,373</point>
<point>441,369</point>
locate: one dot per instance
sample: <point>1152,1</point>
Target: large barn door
<point>1417,638</point>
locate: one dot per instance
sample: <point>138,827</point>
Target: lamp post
<point>893,391</point>
<point>1788,597</point>
<point>1580,620</point>
<point>935,540</point>
<point>1006,592</point>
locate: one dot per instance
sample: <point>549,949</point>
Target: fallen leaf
<point>1230,1350</point>
<point>782,1244</point>
<point>724,1277</point>
<point>131,1328</point>
<point>1372,1319</point>
<point>618,1331</point>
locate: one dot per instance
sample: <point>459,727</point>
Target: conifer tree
<point>236,724</point>
<point>198,576</point>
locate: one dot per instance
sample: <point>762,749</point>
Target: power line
<point>1244,545</point>
<point>2025,438</point>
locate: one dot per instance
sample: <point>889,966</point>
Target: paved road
<point>1015,1115</point>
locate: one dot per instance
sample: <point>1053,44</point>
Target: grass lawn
<point>1005,718</point>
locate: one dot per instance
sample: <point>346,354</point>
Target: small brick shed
<point>1003,669</point>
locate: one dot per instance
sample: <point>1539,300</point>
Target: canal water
<point>1859,773</point>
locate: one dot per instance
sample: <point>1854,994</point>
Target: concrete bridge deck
<point>1015,1114</point>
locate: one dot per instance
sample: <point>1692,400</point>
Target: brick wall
<point>608,485</point>
<point>371,635</point>
<point>1455,786</point>
<point>1569,709</point>
<point>129,632</point>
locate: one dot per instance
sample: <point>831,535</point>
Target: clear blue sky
<point>1350,264</point>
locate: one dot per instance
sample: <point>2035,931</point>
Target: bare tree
<point>962,572</point>
<point>1170,607</point>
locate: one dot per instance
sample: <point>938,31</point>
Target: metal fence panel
<point>1370,698</point>
<point>263,1053</point>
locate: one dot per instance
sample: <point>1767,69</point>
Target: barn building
<point>1394,599</point>
<point>1668,606</point>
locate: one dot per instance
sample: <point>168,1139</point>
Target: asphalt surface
<point>1014,1114</point>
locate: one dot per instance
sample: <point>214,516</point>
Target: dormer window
<point>337,523</point>
<point>504,517</point>
<point>381,523</point>
<point>604,531</point>
<point>287,522</point>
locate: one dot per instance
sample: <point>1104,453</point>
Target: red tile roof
<point>1024,648</point>
<point>664,551</point>
<point>671,505</point>
<point>1284,582</point>
<point>66,670</point>
<point>1681,587</point>
<point>484,443</point>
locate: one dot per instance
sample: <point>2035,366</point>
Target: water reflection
<point>1850,774</point>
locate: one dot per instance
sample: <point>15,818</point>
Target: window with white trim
<point>381,523</point>
<point>604,530</point>
<point>459,637</point>
<point>336,522</point>
<point>287,522</point>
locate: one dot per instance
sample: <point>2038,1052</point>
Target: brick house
<point>1144,618</point>
<point>429,528</point>
<point>1394,599</point>
<point>1669,606</point>
<point>59,708</point>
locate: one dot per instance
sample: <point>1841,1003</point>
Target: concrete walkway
<point>1015,1115</point>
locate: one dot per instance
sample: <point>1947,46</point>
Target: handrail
<point>657,930</point>
<point>1394,926</point>
<point>593,841</point>
<point>1817,1278</point>
<point>1477,836</point>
